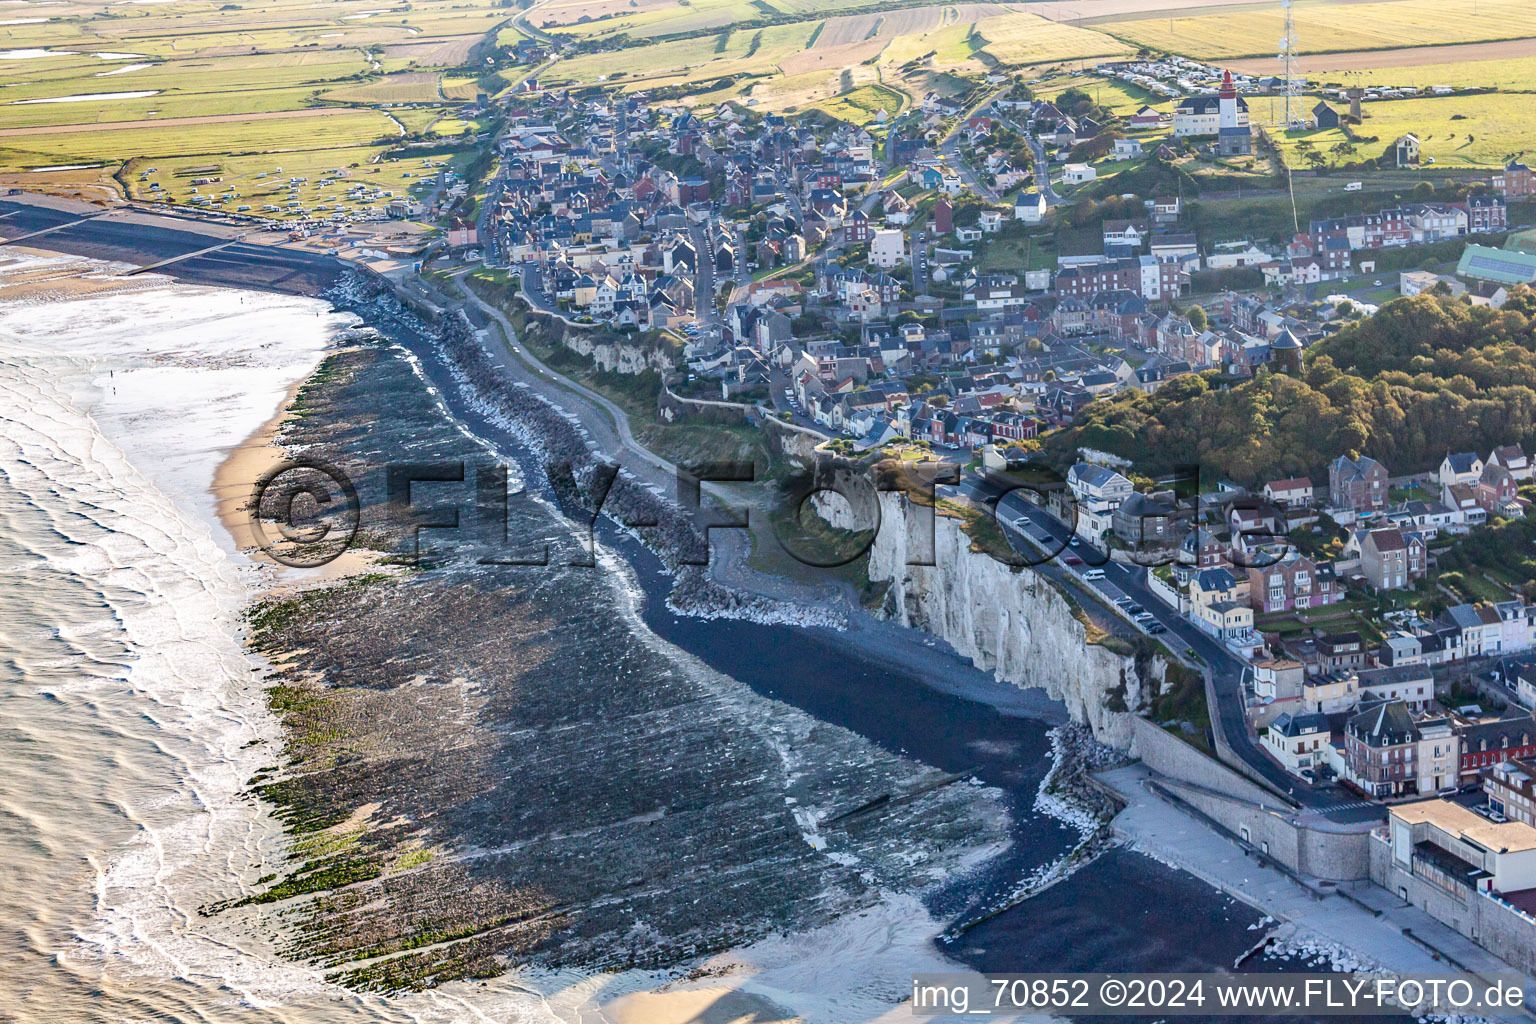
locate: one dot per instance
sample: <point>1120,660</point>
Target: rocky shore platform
<point>493,766</point>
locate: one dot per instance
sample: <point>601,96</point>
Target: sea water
<point>128,721</point>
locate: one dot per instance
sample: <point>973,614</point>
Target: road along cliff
<point>1008,620</point>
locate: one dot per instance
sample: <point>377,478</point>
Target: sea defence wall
<point>1016,624</point>
<point>1304,844</point>
<point>1499,927</point>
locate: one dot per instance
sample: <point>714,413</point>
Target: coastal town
<point>1200,365</point>
<point>848,280</point>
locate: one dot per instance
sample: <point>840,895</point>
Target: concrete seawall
<point>1301,843</point>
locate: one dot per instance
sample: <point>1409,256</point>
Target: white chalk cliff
<point>1012,622</point>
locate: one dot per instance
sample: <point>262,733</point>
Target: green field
<point>1119,97</point>
<point>107,64</point>
<point>863,105</point>
<point>1483,130</point>
<point>1513,75</point>
<point>1331,27</point>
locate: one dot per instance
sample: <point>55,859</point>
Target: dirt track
<point>1367,60</point>
<point>170,122</point>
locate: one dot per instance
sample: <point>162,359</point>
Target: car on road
<point>1073,560</point>
<point>1156,627</point>
<point>1135,609</point>
<point>1094,574</point>
<point>1145,617</point>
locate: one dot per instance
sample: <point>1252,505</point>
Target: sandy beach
<point>851,969</point>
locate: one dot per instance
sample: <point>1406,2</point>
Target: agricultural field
<point>660,20</point>
<point>1485,130</point>
<point>812,63</point>
<point>1512,75</point>
<point>1021,39</point>
<point>1325,27</point>
<point>751,52</point>
<point>405,87</point>
<point>1323,65</point>
<point>107,83</point>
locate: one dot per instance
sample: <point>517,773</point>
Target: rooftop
<point>1510,837</point>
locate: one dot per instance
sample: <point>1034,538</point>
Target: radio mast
<point>1288,58</point>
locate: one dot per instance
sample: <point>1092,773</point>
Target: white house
<point>888,247</point>
<point>1513,459</point>
<point>990,221</point>
<point>1076,174</point>
<point>1236,254</point>
<point>1029,207</point>
<point>1098,491</point>
<point>1127,149</point>
<point>1460,468</point>
<point>1298,741</point>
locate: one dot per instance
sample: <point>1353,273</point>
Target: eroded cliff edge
<point>1008,620</point>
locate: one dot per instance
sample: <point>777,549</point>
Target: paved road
<point>490,240</point>
<point>920,263</point>
<point>1125,581</point>
<point>704,279</point>
<point>949,146</point>
<point>791,199</point>
<point>778,381</point>
<point>1042,168</point>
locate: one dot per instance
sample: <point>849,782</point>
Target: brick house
<point>1485,744</point>
<point>1293,582</point>
<point>1514,180</point>
<point>1358,484</point>
<point>1486,214</point>
<point>1380,747</point>
<point>1391,559</point>
<point>1496,490</point>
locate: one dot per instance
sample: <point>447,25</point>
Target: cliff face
<point>613,356</point>
<point>1010,622</point>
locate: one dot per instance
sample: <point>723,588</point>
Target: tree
<point>1197,318</point>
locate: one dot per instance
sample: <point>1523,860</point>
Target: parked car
<point>1073,560</point>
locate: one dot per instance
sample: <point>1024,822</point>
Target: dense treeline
<point>1425,376</point>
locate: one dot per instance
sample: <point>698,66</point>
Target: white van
<point>1094,574</point>
<point>1354,186</point>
